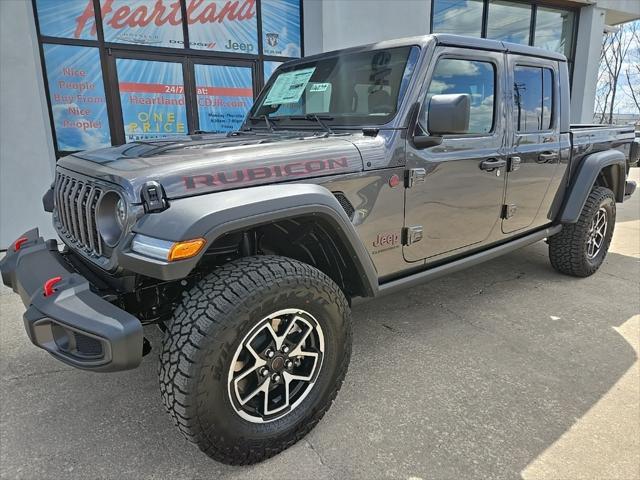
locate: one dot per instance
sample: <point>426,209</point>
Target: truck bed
<point>592,138</point>
<point>602,137</point>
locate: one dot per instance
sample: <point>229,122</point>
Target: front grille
<point>76,201</point>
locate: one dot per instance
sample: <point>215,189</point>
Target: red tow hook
<point>17,245</point>
<point>49,284</point>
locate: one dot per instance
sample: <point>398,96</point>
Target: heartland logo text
<point>165,12</point>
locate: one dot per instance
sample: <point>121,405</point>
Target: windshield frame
<point>286,122</point>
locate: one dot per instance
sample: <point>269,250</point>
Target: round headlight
<point>111,216</point>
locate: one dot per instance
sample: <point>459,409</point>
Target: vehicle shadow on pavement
<point>473,375</point>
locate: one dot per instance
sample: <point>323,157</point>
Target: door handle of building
<point>547,157</point>
<point>491,164</point>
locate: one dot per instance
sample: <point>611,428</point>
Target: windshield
<point>362,88</point>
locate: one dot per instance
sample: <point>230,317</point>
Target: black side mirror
<point>449,113</point>
<point>426,141</point>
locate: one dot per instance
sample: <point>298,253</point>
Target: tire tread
<point>201,316</point>
<point>566,248</point>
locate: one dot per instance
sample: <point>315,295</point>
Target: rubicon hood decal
<point>216,162</point>
<point>253,175</point>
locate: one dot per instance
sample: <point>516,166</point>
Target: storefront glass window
<point>554,30</point>
<point>461,17</point>
<point>225,95</point>
<point>509,21</point>
<point>223,25</point>
<point>269,68</point>
<point>156,23</point>
<point>152,99</point>
<point>77,97</point>
<point>68,19</point>
<point>281,28</point>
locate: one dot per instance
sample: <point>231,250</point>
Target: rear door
<point>458,186</point>
<point>534,130</point>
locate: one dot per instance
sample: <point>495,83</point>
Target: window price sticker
<point>289,86</point>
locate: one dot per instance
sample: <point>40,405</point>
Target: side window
<point>533,98</point>
<point>475,78</point>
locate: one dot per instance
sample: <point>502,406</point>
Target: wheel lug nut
<point>285,349</point>
<point>288,364</point>
<point>264,372</point>
<point>275,377</point>
<point>270,353</point>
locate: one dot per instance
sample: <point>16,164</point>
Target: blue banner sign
<point>215,25</point>
<point>152,99</point>
<point>225,94</point>
<point>281,28</point>
<point>77,97</point>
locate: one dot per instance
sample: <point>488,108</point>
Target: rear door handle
<point>491,164</point>
<point>547,157</point>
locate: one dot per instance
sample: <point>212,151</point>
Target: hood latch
<point>153,197</point>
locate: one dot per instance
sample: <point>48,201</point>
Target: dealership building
<point>84,74</point>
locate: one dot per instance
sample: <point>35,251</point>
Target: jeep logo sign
<point>239,47</point>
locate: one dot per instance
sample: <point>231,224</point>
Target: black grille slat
<point>89,212</point>
<point>59,208</point>
<point>97,240</point>
<point>57,189</point>
<point>73,210</point>
<point>82,221</point>
<point>59,205</point>
<point>65,204</point>
<point>76,202</point>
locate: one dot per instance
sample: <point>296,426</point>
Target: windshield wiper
<point>316,118</point>
<point>266,120</point>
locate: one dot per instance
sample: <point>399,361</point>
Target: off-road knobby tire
<point>568,249</point>
<point>207,328</point>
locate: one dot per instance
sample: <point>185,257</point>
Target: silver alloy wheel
<point>597,232</point>
<point>276,365</point>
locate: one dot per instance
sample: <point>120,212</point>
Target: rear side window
<point>475,78</point>
<point>533,98</point>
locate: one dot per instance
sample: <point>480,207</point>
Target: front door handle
<point>547,157</point>
<point>491,164</point>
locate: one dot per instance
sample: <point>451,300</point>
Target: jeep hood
<point>206,163</point>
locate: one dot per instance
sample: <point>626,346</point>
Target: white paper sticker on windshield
<point>289,86</point>
<point>319,87</point>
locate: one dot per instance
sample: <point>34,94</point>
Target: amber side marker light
<point>186,249</point>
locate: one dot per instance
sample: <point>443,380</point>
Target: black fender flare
<point>212,215</point>
<point>586,177</point>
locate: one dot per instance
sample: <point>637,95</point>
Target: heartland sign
<point>165,12</point>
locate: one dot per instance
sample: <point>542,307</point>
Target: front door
<point>457,202</point>
<point>535,138</point>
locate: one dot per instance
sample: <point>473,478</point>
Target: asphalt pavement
<point>505,370</point>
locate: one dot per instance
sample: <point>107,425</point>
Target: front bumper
<point>73,323</point>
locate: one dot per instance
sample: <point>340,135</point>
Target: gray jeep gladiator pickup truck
<point>356,173</point>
